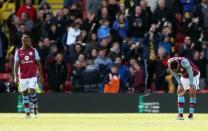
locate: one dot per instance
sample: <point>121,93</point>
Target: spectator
<point>90,77</point>
<point>188,5</point>
<point>113,83</point>
<point>160,69</point>
<point>121,25</point>
<point>123,71</point>
<point>122,9</point>
<point>27,8</point>
<point>21,32</point>
<point>166,45</point>
<point>43,49</point>
<point>92,42</point>
<point>103,64</point>
<point>201,12</point>
<point>151,44</point>
<point>44,5</point>
<point>27,22</point>
<point>52,54</point>
<point>89,21</point>
<point>61,21</point>
<point>162,13</point>
<point>191,26</point>
<point>113,8</point>
<point>74,51</point>
<point>79,66</point>
<point>53,34</point>
<point>137,26</point>
<point>200,61</point>
<point>137,77</point>
<point>56,73</point>
<point>92,5</point>
<point>104,30</point>
<point>186,49</point>
<point>13,24</point>
<point>146,12</point>
<point>3,6</point>
<point>93,54</point>
<point>72,32</point>
<point>114,51</point>
<point>76,10</point>
<point>103,11</point>
<point>3,48</point>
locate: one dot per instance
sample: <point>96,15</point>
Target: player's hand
<point>42,80</point>
<point>180,86</point>
<point>192,86</point>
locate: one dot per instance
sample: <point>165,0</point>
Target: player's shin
<point>192,104</point>
<point>181,101</point>
<point>26,103</point>
<point>34,99</point>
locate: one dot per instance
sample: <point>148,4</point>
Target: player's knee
<point>192,91</point>
<point>24,93</point>
<point>32,91</point>
<point>180,92</point>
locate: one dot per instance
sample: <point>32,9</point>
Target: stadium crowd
<point>108,46</point>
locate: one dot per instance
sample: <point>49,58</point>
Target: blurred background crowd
<point>105,46</point>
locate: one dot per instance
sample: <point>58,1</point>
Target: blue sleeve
<point>186,64</point>
<point>127,76</point>
<point>16,57</point>
<point>96,63</point>
<point>126,25</point>
<point>37,57</point>
<point>177,77</point>
<point>115,25</point>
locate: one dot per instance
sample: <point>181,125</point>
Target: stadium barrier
<point>101,103</point>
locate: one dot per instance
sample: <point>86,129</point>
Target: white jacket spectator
<point>73,32</point>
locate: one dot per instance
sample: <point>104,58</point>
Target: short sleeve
<point>37,57</point>
<point>16,57</point>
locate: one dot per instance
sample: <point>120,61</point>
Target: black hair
<point>174,64</point>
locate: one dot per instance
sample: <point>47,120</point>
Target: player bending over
<point>27,61</point>
<point>187,75</point>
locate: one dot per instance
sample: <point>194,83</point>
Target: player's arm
<point>186,64</point>
<point>16,67</point>
<point>39,67</point>
<point>177,77</point>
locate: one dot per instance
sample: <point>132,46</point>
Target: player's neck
<point>25,47</point>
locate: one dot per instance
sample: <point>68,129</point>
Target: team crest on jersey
<point>27,57</point>
<point>30,53</point>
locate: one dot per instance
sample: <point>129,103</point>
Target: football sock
<point>192,104</point>
<point>34,100</point>
<point>181,101</point>
<point>26,103</point>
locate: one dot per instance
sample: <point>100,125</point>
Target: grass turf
<point>102,122</point>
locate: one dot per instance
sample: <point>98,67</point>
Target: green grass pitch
<point>102,122</point>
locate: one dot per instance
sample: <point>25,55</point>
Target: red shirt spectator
<point>28,8</point>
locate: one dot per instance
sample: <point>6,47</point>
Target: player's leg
<point>25,95</point>
<point>181,101</point>
<point>33,95</point>
<point>192,102</point>
<point>192,93</point>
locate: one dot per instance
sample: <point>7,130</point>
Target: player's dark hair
<point>174,64</point>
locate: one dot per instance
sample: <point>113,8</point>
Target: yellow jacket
<point>4,8</point>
